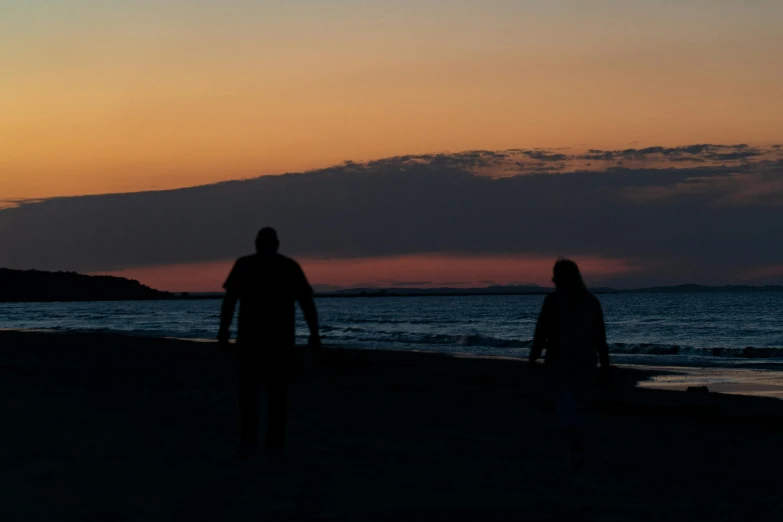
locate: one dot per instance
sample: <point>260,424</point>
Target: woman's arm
<point>542,329</point>
<point>600,342</point>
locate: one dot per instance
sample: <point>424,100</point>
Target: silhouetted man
<point>267,285</point>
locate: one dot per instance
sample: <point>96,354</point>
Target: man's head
<point>266,241</point>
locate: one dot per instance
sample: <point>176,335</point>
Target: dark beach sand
<point>110,428</point>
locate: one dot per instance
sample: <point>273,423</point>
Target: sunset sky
<point>104,97</point>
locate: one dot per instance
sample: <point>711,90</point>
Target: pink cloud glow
<point>423,270</point>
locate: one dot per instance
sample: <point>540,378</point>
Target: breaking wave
<point>355,334</point>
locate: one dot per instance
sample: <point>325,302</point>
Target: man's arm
<point>307,303</point>
<point>227,316</point>
<point>304,294</point>
<point>232,286</point>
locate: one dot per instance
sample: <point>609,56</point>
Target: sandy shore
<point>110,428</point>
<point>736,381</point>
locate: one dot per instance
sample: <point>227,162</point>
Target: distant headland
<point>35,285</point>
<point>40,286</point>
<point>533,290</point>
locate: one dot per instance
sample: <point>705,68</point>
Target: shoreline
<point>762,379</point>
<point>112,427</point>
<point>640,380</point>
<point>756,382</point>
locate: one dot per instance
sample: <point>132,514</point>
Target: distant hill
<point>521,290</point>
<point>410,292</point>
<point>693,288</point>
<point>35,285</point>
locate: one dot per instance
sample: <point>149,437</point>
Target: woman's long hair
<point>567,276</point>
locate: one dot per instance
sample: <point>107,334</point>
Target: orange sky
<point>102,97</point>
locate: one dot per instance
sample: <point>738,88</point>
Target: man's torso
<point>267,287</point>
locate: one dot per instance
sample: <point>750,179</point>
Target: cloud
<point>539,167</point>
<point>734,189</point>
<point>695,153</point>
<point>544,156</point>
<point>704,222</point>
<point>474,159</point>
<point>733,156</point>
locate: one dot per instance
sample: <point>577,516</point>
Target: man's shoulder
<point>245,261</point>
<point>287,261</point>
<point>256,260</point>
<point>276,262</point>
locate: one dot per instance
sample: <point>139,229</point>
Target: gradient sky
<point>104,97</point>
<point>699,213</point>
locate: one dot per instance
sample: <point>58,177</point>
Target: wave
<point>428,321</point>
<point>476,340</point>
<point>748,352</point>
<point>473,340</point>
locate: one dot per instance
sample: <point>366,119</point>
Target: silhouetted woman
<point>571,328</point>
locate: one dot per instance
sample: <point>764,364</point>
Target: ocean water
<point>706,330</point>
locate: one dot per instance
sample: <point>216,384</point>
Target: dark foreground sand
<point>109,428</point>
